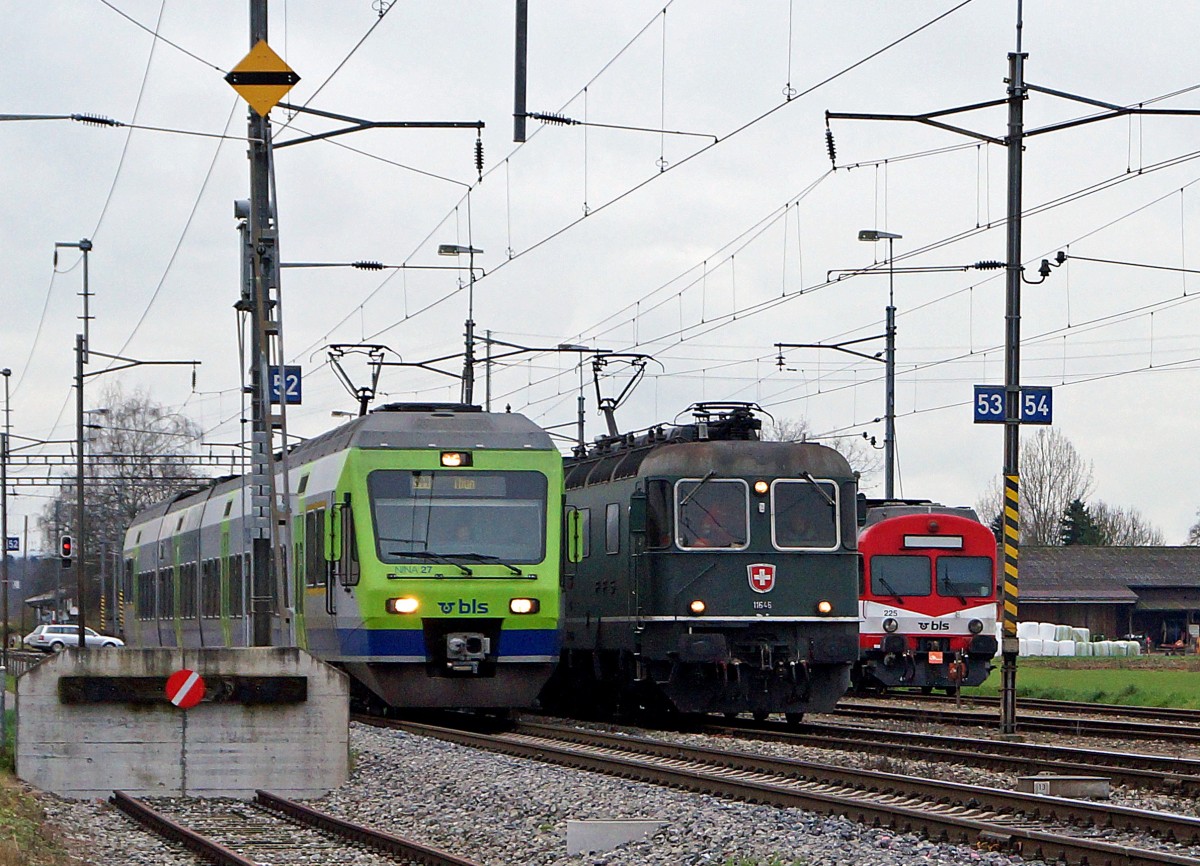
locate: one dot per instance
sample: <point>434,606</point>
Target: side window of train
<point>314,547</point>
<point>585,530</point>
<point>350,569</point>
<point>658,514</point>
<point>612,528</point>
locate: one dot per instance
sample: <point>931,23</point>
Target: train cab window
<point>427,516</point>
<point>964,576</point>
<point>901,576</point>
<point>658,514</point>
<point>804,515</point>
<point>612,528</point>
<point>712,513</point>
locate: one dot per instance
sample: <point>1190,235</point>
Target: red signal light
<point>66,547</point>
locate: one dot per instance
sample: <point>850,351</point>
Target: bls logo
<point>467,607</point>
<point>935,626</point>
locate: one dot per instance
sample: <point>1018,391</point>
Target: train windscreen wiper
<point>820,489</point>
<point>707,477</point>
<point>486,557</point>
<point>444,559</point>
<point>889,588</point>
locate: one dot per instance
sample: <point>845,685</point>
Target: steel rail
<point>1176,827</point>
<point>1159,772</point>
<point>1082,727</point>
<point>163,826</point>
<point>1179,714</point>
<point>350,831</point>
<point>938,820</point>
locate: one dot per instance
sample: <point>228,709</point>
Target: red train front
<point>927,598</point>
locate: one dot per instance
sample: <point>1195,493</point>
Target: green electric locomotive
<point>708,572</point>
<point>424,562</point>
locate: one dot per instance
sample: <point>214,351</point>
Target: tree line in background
<point>1056,483</point>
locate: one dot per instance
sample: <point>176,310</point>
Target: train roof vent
<point>432,408</point>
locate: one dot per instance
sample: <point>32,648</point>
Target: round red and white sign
<point>185,689</point>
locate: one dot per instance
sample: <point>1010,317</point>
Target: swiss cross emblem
<point>761,576</point>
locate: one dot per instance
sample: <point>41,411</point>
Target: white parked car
<point>52,638</point>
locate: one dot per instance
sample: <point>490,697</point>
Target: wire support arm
<point>357,124</point>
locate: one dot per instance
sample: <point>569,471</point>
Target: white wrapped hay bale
<point>1022,646</point>
<point>1050,648</point>
<point>1035,646</point>
<point>1046,630</point>
<point>1103,648</point>
<point>1062,632</point>
<point>1083,648</point>
<point>1135,648</point>
<point>1065,648</point>
<point>1027,629</point>
<point>1081,635</point>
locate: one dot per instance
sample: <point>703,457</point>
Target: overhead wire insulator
<point>96,120</point>
<point>829,145</point>
<point>479,156</point>
<point>989,266</point>
<point>549,117</point>
<point>368,266</point>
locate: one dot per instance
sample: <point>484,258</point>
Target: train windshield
<point>901,576</point>
<point>465,513</point>
<point>804,515</point>
<point>964,576</point>
<point>712,513</point>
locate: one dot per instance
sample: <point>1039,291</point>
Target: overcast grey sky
<point>703,250</point>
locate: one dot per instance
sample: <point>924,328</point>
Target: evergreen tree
<point>1078,527</point>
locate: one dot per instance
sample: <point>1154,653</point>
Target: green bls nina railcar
<point>424,559</point>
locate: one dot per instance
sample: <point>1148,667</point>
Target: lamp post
<point>889,436</point>
<point>468,378</point>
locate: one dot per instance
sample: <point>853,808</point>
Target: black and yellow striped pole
<point>1012,391</point>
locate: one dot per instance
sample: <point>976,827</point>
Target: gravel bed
<point>502,810</point>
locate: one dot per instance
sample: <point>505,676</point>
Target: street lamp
<point>468,378</point>
<point>889,436</point>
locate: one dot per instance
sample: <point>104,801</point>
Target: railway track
<point>1115,728</point>
<point>1041,705</point>
<point>1151,772</point>
<point>1034,825</point>
<point>273,830</point>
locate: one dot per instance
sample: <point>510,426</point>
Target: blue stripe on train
<point>411,642</point>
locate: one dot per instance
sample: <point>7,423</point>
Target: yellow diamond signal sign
<point>262,78</point>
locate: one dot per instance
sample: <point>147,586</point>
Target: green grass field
<point>1145,681</point>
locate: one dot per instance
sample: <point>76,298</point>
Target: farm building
<point>1114,591</point>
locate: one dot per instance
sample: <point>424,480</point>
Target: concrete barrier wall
<point>84,751</point>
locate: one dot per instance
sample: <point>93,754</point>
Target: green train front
<point>424,561</point>
<point>715,572</point>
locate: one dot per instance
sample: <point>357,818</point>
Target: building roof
<point>1105,575</point>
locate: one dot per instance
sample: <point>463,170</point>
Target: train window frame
<point>709,480</point>
<point>904,592</point>
<point>837,512</point>
<point>944,591</point>
<point>585,530</point>
<point>612,528</point>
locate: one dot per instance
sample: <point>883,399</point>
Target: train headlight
<point>456,458</point>
<point>825,607</point>
<point>761,487</point>
<point>975,626</point>
<point>697,607</point>
<point>403,605</point>
<point>890,625</point>
<point>524,605</point>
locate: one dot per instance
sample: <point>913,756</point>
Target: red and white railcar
<point>927,598</point>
